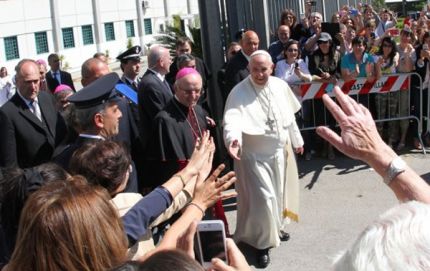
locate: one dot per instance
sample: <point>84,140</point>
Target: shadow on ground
<point>315,166</point>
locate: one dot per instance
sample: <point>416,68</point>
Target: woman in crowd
<point>324,65</point>
<point>288,18</point>
<point>346,40</point>
<point>407,59</point>
<point>69,226</point>
<point>422,68</point>
<point>387,104</point>
<point>293,69</point>
<point>16,186</point>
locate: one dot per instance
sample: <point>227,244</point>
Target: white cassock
<point>262,120</point>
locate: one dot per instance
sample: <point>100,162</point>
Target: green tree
<point>172,33</point>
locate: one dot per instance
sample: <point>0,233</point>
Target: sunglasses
<point>386,45</point>
<point>323,42</point>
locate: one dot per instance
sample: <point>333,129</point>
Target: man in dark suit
<point>56,76</point>
<point>154,91</point>
<point>237,68</point>
<point>30,126</point>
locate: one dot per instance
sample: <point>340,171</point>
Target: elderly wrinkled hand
<point>359,137</point>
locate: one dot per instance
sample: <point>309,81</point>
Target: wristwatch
<point>396,167</point>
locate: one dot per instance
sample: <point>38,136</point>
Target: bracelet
<point>180,177</point>
<point>197,206</point>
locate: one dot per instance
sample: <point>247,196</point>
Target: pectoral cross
<point>270,123</point>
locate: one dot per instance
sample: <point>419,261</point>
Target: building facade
<point>76,29</point>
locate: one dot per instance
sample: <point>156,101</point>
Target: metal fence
<point>388,99</point>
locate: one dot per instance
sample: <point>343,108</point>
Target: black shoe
<point>263,258</point>
<point>284,236</point>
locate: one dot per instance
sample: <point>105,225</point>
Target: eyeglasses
<point>291,50</point>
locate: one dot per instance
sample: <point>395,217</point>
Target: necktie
<point>35,109</point>
<point>168,87</point>
<point>134,84</point>
<point>191,117</point>
<point>57,76</point>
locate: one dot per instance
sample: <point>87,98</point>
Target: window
<point>11,48</point>
<point>148,26</point>
<point>41,42</point>
<point>129,28</point>
<point>68,38</point>
<point>109,31</point>
<point>87,34</point>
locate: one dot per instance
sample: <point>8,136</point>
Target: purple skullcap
<point>185,71</point>
<point>61,87</point>
<point>41,62</point>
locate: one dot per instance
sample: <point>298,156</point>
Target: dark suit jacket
<point>236,71</point>
<point>153,95</point>
<point>66,79</point>
<point>25,141</point>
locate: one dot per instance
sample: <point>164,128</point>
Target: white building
<point>76,29</point>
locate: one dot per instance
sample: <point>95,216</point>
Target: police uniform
<point>135,144</point>
<point>99,92</point>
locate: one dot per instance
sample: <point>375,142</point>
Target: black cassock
<point>172,142</point>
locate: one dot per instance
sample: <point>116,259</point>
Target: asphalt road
<point>338,199</point>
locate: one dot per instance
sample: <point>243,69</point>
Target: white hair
<point>262,52</point>
<point>399,240</point>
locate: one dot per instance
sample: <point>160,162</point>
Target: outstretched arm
<point>359,139</point>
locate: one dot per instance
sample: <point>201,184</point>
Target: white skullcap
<point>261,52</point>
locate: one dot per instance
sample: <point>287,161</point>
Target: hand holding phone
<point>236,259</point>
<point>211,242</point>
<point>353,12</point>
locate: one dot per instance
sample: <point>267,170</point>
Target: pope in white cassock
<point>259,129</point>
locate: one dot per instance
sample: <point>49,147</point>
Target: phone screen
<point>212,245</point>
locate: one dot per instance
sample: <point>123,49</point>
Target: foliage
<point>129,43</point>
<point>378,4</point>
<point>169,36</point>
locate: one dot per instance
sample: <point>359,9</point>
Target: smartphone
<point>394,32</point>
<point>211,241</point>
<point>353,12</point>
<point>296,64</point>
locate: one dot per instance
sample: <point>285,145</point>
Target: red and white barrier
<point>356,87</point>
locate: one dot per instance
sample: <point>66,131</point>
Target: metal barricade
<point>314,113</point>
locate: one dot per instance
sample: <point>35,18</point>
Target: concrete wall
<point>22,18</point>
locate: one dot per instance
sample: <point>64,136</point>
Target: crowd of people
<point>114,176</point>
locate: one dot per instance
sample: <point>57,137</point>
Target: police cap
<point>98,92</point>
<point>132,53</point>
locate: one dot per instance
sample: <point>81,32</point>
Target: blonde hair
<point>69,226</point>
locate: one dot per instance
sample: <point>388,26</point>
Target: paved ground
<point>338,199</point>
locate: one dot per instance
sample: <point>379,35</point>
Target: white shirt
<point>286,72</point>
<point>7,89</point>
